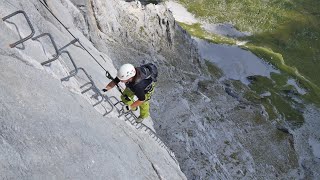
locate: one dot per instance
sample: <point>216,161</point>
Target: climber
<point>140,82</point>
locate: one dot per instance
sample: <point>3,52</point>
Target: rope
<point>119,89</point>
<point>71,34</point>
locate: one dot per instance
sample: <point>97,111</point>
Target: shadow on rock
<point>145,2</point>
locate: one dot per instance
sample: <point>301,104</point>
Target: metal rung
<point>92,86</point>
<point>71,42</point>
<point>29,23</point>
<point>56,56</point>
<point>100,101</point>
<point>91,83</point>
<point>86,90</point>
<point>73,72</point>
<point>115,102</point>
<point>58,51</point>
<point>99,94</point>
<point>112,107</point>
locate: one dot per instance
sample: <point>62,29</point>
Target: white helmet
<point>126,72</point>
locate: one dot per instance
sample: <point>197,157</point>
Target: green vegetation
<point>197,31</point>
<point>258,119</point>
<point>280,98</point>
<point>279,135</point>
<point>209,119</point>
<point>278,104</point>
<point>190,133</point>
<point>285,33</point>
<point>227,142</point>
<point>277,60</point>
<point>234,156</point>
<point>213,70</point>
<point>247,15</point>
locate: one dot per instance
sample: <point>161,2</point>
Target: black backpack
<point>149,71</point>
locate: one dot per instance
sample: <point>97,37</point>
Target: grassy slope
<point>285,33</point>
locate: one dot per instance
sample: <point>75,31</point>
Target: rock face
<point>214,135</point>
<point>49,129</point>
<point>213,130</point>
<point>131,32</point>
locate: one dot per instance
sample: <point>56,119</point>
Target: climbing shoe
<point>139,119</point>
